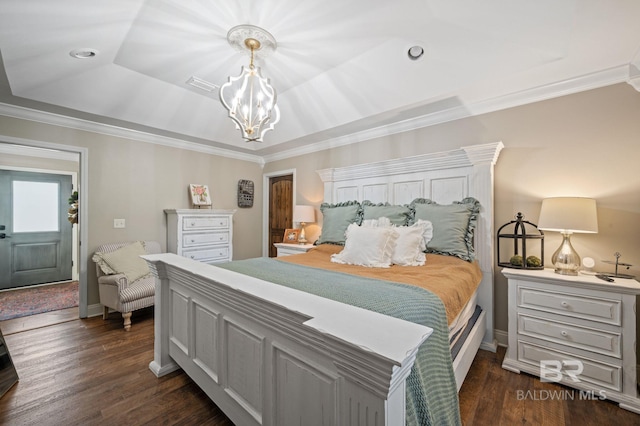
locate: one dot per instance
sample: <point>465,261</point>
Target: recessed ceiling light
<point>415,52</point>
<point>84,53</point>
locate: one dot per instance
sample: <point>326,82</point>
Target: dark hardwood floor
<point>86,372</point>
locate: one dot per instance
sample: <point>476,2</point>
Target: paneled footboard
<point>270,355</point>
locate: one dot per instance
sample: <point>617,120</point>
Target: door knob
<point>3,236</point>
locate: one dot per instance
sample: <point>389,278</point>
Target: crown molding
<point>121,132</point>
<point>579,84</point>
<point>585,82</point>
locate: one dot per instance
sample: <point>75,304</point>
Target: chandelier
<point>249,97</point>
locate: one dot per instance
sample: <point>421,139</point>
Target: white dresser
<point>583,329</point>
<point>202,235</point>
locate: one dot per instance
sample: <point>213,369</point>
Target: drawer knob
<point>193,224</point>
<point>564,304</point>
<point>192,257</point>
<point>193,241</point>
<point>564,333</point>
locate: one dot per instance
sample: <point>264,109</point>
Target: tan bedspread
<point>453,280</point>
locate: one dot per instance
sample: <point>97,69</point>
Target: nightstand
<point>583,329</point>
<point>286,249</point>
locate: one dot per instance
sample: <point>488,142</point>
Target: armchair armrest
<point>118,281</point>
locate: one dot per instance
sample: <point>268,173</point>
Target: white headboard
<point>443,177</point>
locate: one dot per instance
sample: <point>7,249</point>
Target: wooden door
<point>280,209</point>
<point>35,235</point>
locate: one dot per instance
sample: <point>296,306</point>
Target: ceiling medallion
<point>249,97</point>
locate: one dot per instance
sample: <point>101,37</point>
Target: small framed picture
<point>291,236</point>
<point>200,195</point>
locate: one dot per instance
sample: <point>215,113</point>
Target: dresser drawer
<point>572,305</point>
<point>204,222</point>
<point>570,335</point>
<point>190,240</point>
<point>597,373</point>
<point>208,254</point>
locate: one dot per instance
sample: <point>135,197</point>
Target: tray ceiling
<point>341,69</point>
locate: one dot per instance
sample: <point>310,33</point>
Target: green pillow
<point>453,225</point>
<point>126,260</point>
<point>398,215</point>
<point>336,219</point>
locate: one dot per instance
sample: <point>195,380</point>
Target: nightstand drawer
<point>573,305</point>
<point>570,335</point>
<point>596,373</point>
<point>190,240</point>
<point>204,222</point>
<point>207,255</point>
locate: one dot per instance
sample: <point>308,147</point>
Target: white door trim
<point>83,193</point>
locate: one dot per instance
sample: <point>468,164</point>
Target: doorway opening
<point>51,263</point>
<point>36,243</point>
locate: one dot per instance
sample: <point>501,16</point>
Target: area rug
<point>36,300</point>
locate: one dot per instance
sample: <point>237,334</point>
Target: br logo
<point>552,370</point>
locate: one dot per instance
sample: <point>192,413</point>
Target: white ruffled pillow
<point>382,222</point>
<point>368,246</point>
<point>412,240</point>
<point>411,244</point>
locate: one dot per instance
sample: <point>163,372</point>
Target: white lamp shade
<point>306,214</point>
<point>569,214</point>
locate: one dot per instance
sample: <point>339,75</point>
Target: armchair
<point>117,291</point>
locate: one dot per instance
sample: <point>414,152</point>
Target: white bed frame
<point>270,355</point>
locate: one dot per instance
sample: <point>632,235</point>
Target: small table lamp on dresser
<point>568,215</point>
<point>303,215</point>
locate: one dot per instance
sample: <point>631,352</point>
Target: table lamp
<point>568,215</point>
<point>303,215</point>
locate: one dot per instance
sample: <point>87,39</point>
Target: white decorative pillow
<point>126,260</point>
<point>381,222</point>
<point>412,242</point>
<point>428,232</point>
<point>367,246</point>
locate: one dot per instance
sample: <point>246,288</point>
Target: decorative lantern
<point>517,235</point>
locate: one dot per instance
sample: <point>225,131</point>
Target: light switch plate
<point>118,223</point>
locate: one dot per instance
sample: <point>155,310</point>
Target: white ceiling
<point>341,67</point>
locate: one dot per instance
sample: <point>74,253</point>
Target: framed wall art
<point>200,195</point>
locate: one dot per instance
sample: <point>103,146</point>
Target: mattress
<point>463,318</point>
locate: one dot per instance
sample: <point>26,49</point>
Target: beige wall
<point>587,144</point>
<point>36,163</point>
<point>137,180</point>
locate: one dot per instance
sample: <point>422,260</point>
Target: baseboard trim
<point>502,337</point>
<point>94,310</point>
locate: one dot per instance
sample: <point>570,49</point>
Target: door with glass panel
<point>35,235</point>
